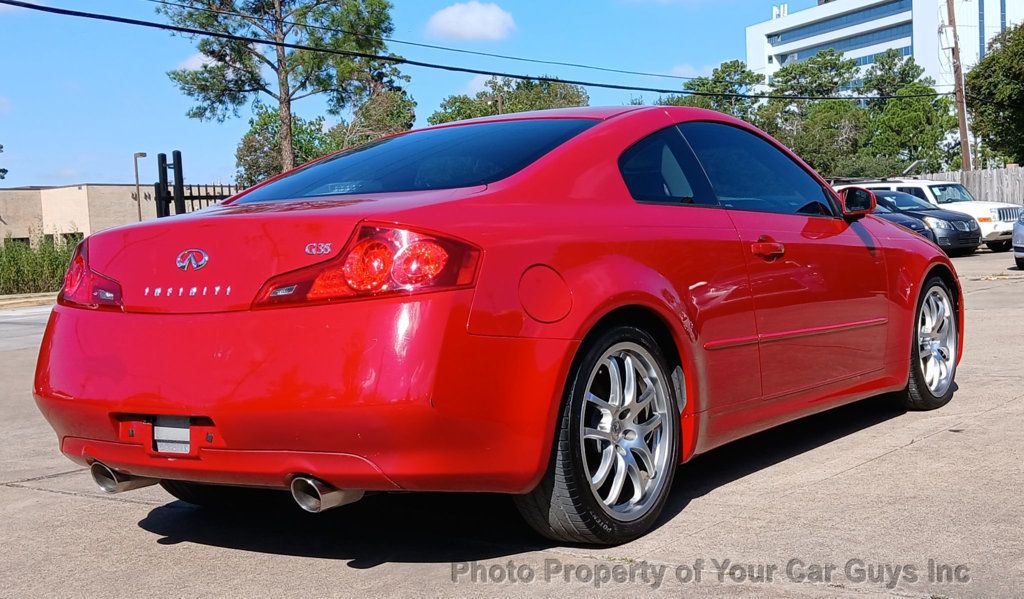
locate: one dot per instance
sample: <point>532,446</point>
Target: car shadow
<point>456,527</point>
<point>738,459</point>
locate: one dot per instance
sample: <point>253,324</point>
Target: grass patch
<point>35,268</point>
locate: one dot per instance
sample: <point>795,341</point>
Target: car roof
<point>601,113</point>
<point>581,112</point>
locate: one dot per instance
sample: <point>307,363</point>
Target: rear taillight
<point>85,288</point>
<point>380,261</point>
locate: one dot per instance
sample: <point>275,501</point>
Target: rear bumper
<point>382,394</point>
<point>227,466</point>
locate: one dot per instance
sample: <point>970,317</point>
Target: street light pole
<point>138,190</point>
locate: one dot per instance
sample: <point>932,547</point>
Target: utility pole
<point>961,100</point>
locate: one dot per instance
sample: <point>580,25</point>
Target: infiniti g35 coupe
<point>561,305</point>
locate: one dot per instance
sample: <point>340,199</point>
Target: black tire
<point>223,497</point>
<point>1020,263</point>
<point>1000,246</point>
<point>917,396</point>
<point>563,507</point>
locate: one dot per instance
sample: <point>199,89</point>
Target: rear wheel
<point>224,497</point>
<point>616,446</point>
<point>1000,246</point>
<point>1020,263</point>
<point>933,355</point>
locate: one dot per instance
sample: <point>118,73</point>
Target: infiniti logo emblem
<point>192,258</point>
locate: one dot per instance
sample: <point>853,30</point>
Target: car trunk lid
<point>217,259</point>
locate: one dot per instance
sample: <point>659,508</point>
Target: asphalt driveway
<point>861,501</point>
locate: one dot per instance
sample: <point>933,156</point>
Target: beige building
<point>27,213</point>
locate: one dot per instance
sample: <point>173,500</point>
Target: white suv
<point>996,219</point>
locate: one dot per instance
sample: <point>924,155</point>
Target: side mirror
<point>857,202</point>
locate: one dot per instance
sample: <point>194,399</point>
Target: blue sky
<point>78,97</point>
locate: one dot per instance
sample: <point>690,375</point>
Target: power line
<point>438,66</point>
<point>576,65</point>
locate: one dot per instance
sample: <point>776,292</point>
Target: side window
<point>660,168</point>
<point>749,173</point>
<point>914,191</point>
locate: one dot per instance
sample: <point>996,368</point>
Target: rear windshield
<point>460,156</point>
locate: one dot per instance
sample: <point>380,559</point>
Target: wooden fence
<point>994,185</point>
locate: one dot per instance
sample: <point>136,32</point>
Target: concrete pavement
<point>862,501</point>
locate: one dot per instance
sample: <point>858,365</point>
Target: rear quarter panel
<point>683,263</point>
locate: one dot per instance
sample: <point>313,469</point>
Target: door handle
<point>767,248</point>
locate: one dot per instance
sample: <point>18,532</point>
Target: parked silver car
<point>1018,241</point>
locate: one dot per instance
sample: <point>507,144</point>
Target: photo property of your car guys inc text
<point>476,298</point>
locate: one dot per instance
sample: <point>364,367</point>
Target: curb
<point>26,300</point>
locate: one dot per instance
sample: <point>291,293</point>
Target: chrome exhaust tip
<point>315,496</point>
<point>111,481</point>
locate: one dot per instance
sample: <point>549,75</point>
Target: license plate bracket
<point>172,434</point>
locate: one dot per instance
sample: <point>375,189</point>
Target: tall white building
<point>862,29</point>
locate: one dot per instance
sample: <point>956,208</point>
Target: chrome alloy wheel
<point>625,434</point>
<point>936,340</point>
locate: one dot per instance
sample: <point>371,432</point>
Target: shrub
<point>25,268</point>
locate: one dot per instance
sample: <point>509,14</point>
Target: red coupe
<point>561,305</point>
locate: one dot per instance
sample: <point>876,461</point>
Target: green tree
<point>890,73</point>
<point>832,131</point>
<point>826,73</point>
<point>258,156</point>
<point>995,94</point>
<point>867,164</point>
<point>3,171</point>
<point>385,112</point>
<point>236,72</point>
<point>501,96</point>
<point>729,78</point>
<point>914,128</point>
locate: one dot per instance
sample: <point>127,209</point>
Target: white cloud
<point>471,21</point>
<point>476,84</point>
<point>688,70</point>
<point>195,62</point>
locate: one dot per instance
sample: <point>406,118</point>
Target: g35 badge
<point>318,249</point>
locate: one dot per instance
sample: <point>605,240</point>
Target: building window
<point>873,58</point>
<point>860,41</point>
<point>841,22</point>
<point>16,240</point>
<point>981,29</point>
